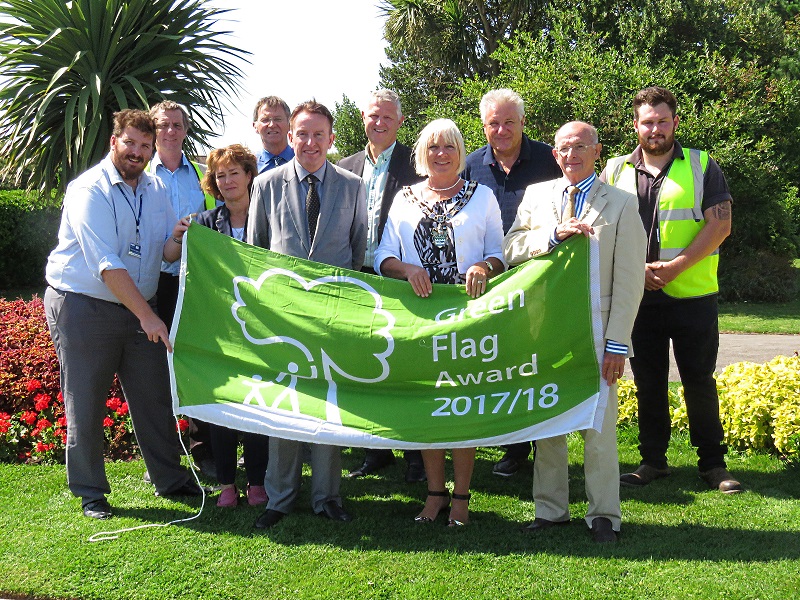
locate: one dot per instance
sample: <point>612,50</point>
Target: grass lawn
<point>680,540</point>
<point>760,318</point>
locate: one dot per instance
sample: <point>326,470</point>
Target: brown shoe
<point>642,476</point>
<point>720,479</point>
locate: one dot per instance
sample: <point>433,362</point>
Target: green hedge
<point>28,231</point>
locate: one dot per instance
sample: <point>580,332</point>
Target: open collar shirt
<point>185,194</point>
<point>99,228</point>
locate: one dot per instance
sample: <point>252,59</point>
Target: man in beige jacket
<point>550,212</point>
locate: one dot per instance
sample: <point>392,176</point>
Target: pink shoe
<point>256,494</point>
<point>228,498</point>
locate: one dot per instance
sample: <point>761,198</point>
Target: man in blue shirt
<point>116,227</point>
<point>271,122</point>
<point>182,180</point>
<point>508,164</point>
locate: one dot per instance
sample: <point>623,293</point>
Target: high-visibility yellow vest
<point>680,218</point>
<point>210,201</point>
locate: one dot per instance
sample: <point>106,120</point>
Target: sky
<point>300,49</point>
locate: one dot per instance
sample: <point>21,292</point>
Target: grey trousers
<point>285,468</point>
<point>95,339</point>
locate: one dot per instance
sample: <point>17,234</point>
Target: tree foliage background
<point>70,65</point>
<point>733,64</point>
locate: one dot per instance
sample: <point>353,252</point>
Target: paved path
<point>737,347</point>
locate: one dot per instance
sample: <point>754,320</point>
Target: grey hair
<point>448,131</point>
<point>384,95</point>
<point>501,96</point>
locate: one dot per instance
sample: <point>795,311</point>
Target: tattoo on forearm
<point>722,211</point>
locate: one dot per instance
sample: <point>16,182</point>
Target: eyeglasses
<point>577,149</point>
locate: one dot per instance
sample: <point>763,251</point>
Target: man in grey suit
<point>385,166</point>
<point>311,209</point>
<point>580,204</point>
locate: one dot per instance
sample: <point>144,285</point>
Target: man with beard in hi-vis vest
<point>685,206</point>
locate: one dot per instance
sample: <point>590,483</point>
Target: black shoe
<point>334,512</point>
<point>268,519</point>
<point>602,531</point>
<point>415,473</point>
<point>508,465</point>
<point>373,462</point>
<point>538,525</point>
<point>97,509</point>
<point>190,488</point>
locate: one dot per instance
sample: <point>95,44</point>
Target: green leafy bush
<point>759,406</point>
<point>28,231</point>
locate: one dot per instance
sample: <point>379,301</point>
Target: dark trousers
<point>166,301</point>
<point>95,339</point>
<point>692,326</point>
<point>225,443</point>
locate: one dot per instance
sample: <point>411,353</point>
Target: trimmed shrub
<point>759,406</point>
<point>28,232</point>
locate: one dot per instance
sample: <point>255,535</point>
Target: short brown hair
<point>170,105</point>
<point>271,102</point>
<point>653,96</point>
<point>313,107</point>
<point>133,117</point>
<point>235,153</point>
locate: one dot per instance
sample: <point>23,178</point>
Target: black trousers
<point>225,443</point>
<point>692,326</point>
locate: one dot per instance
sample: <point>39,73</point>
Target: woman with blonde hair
<point>419,245</point>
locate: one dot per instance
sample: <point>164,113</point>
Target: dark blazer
<point>401,172</point>
<point>277,218</point>
<point>218,219</point>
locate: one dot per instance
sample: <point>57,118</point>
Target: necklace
<point>450,187</point>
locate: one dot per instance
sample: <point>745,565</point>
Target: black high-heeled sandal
<point>454,522</point>
<point>420,520</point>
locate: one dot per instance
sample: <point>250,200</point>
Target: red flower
<point>60,397</point>
<point>61,421</point>
<point>43,424</point>
<point>5,423</point>
<point>34,385</point>
<point>114,403</point>
<point>28,416</point>
<point>64,438</point>
<point>108,422</point>
<point>42,447</point>
<point>123,409</point>
<point>41,402</point>
<point>183,425</point>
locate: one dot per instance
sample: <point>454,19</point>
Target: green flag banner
<point>278,345</point>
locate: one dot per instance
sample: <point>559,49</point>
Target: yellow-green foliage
<point>759,405</point>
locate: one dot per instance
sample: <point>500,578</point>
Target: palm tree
<point>458,35</point>
<point>70,65</point>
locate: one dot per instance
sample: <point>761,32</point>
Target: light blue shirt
<point>375,175</point>
<point>185,194</point>
<point>98,227</point>
<point>266,160</point>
